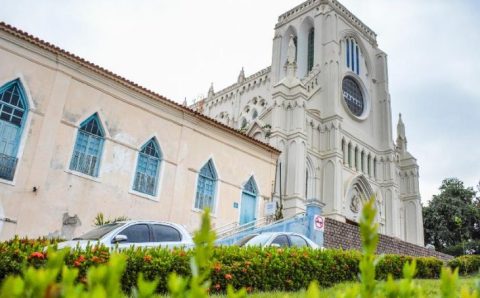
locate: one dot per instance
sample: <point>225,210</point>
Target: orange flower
<point>217,267</point>
<point>228,276</point>
<point>96,259</point>
<point>37,255</point>
<point>77,263</point>
<point>147,258</point>
<point>248,263</point>
<point>81,259</point>
<point>217,287</point>
<point>249,289</point>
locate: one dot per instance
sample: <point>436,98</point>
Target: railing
<point>234,227</point>
<point>8,164</point>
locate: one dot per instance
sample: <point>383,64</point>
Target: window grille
<point>148,168</point>
<point>206,186</point>
<point>88,147</point>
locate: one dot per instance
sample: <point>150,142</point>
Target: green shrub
<point>468,264</point>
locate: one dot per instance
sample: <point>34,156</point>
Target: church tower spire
<point>211,93</point>
<point>401,137</point>
<point>241,76</point>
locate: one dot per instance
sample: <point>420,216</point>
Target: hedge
<point>468,264</point>
<point>271,269</point>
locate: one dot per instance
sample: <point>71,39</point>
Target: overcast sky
<point>178,47</point>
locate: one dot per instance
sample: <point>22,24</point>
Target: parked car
<point>134,233</point>
<point>277,239</point>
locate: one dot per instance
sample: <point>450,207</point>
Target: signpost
<point>318,222</point>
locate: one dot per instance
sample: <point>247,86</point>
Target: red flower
<point>37,255</point>
<point>147,258</point>
<point>81,259</point>
<point>217,287</point>
<point>77,263</point>
<point>228,276</point>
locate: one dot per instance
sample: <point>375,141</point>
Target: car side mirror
<point>119,238</point>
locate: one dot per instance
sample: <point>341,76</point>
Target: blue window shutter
<point>88,148</point>
<point>206,186</point>
<point>148,168</point>
<point>13,115</point>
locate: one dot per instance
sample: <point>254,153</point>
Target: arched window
<point>362,161</point>
<point>13,113</point>
<point>254,114</point>
<point>206,187</point>
<point>369,167</point>
<point>148,168</point>
<point>352,55</point>
<point>310,53</point>
<point>350,161</point>
<point>88,147</point>
<point>295,42</point>
<point>357,167</point>
<point>249,201</point>
<point>243,123</point>
<point>375,168</point>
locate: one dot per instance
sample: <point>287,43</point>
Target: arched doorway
<point>248,207</point>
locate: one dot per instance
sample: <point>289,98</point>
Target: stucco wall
<point>62,95</point>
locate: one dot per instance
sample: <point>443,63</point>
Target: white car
<point>277,239</point>
<point>135,233</point>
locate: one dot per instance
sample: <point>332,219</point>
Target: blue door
<point>247,209</point>
<point>249,202</point>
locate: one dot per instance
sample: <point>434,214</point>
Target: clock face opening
<point>353,97</point>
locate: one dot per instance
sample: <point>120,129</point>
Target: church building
<point>324,103</point>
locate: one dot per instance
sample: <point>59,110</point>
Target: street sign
<point>270,208</point>
<point>318,222</point>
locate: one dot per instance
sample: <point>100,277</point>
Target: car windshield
<point>99,232</point>
<point>242,241</point>
<point>260,240</point>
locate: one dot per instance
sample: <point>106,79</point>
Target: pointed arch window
<point>148,168</point>
<point>13,115</point>
<point>206,186</point>
<point>352,55</point>
<point>310,54</point>
<point>88,147</point>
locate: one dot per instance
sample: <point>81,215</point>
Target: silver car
<point>277,239</point>
<point>134,233</point>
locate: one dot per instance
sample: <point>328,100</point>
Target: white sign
<point>270,208</point>
<point>318,223</point>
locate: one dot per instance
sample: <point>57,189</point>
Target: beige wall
<point>62,94</point>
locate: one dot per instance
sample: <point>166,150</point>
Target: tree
<point>452,218</point>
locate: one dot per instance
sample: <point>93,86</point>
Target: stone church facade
<point>324,102</point>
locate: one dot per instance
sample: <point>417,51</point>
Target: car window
<point>136,233</point>
<point>281,240</point>
<point>298,241</point>
<point>162,233</point>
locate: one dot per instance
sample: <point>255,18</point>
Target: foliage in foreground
<point>56,279</point>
